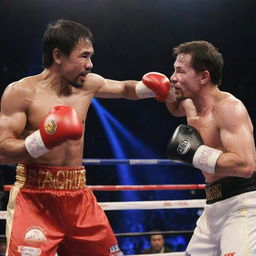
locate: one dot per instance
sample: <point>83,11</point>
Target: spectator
<point>157,245</point>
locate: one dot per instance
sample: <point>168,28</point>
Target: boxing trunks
<point>51,210</point>
<point>227,226</point>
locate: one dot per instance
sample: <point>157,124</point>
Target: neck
<point>52,79</point>
<point>204,100</point>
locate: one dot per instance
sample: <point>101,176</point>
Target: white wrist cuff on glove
<point>143,92</point>
<point>35,145</point>
<point>205,158</point>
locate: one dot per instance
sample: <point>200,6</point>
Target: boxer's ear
<point>57,55</point>
<point>205,77</point>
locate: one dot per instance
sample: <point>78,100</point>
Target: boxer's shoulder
<point>226,102</point>
<point>23,86</point>
<point>18,93</point>
<point>226,98</point>
<point>229,108</point>
<point>93,81</point>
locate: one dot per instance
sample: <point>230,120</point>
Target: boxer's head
<point>63,35</point>
<point>204,56</point>
<point>68,44</point>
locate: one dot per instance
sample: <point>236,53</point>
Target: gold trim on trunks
<point>213,192</point>
<point>60,178</point>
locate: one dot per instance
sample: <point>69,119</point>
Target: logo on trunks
<point>29,251</point>
<point>35,234</point>
<point>213,192</point>
<point>183,147</point>
<point>62,179</point>
<point>50,126</point>
<point>115,251</point>
<point>230,254</point>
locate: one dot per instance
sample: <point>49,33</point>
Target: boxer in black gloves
<point>218,140</point>
<point>186,145</point>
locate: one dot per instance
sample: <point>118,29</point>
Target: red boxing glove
<point>158,83</point>
<point>61,124</point>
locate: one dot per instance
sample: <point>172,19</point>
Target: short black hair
<point>64,35</point>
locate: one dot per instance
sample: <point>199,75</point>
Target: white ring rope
<point>144,205</point>
<point>149,205</point>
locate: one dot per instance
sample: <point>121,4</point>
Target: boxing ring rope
<point>136,187</point>
<point>170,232</point>
<point>95,161</point>
<point>145,205</point>
<point>141,205</point>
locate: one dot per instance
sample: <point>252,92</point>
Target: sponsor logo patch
<point>50,126</point>
<point>35,234</point>
<point>183,147</point>
<point>230,254</point>
<point>29,251</point>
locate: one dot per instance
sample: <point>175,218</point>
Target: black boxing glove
<point>186,145</point>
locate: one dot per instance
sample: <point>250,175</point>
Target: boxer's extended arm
<point>152,85</point>
<point>14,104</point>
<point>117,89</point>
<point>236,133</point>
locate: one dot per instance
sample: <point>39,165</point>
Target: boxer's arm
<point>117,89</point>
<point>236,133</point>
<point>12,123</point>
<point>153,84</point>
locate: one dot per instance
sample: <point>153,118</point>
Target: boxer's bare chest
<point>41,104</point>
<point>207,126</point>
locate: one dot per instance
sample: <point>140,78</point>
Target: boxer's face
<point>185,79</point>
<point>78,64</point>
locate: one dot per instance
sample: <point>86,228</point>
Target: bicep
<point>12,125</point>
<point>12,117</point>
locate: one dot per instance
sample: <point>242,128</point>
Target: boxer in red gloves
<point>42,121</point>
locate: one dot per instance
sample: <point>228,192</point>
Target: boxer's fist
<point>61,124</point>
<point>156,85</point>
<point>187,146</point>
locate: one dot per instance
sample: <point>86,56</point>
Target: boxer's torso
<point>209,124</point>
<point>42,98</point>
